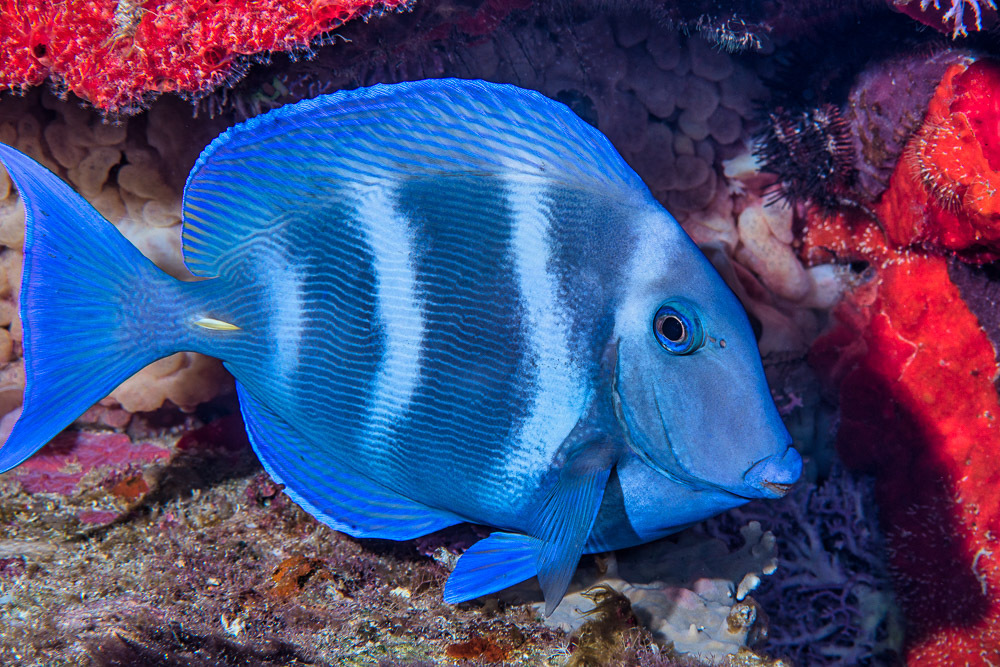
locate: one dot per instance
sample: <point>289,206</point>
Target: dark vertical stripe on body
<point>339,343</point>
<point>590,257</point>
<point>342,342</point>
<point>470,394</point>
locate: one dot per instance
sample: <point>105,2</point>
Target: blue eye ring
<point>677,328</point>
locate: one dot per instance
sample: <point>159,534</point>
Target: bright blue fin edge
<point>342,500</point>
<point>491,565</point>
<point>78,284</point>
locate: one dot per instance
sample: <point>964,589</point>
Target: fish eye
<point>677,328</point>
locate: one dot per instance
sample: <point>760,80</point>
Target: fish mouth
<point>775,475</point>
<point>778,489</point>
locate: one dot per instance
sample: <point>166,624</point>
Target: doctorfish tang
<point>442,301</point>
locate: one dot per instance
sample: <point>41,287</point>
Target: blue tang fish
<point>442,301</point>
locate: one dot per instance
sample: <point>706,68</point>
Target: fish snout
<point>773,477</point>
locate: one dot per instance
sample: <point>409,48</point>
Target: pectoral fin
<point>564,522</point>
<point>561,523</point>
<point>492,564</point>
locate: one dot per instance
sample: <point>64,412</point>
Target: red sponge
<point>119,54</point>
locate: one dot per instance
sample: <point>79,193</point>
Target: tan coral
<point>11,220</point>
<point>11,386</point>
<point>68,152</point>
<point>109,204</point>
<point>665,48</point>
<point>145,180</point>
<point>700,97</point>
<point>767,256</point>
<point>709,62</point>
<point>160,213</point>
<point>185,379</point>
<point>90,175</point>
<point>725,125</point>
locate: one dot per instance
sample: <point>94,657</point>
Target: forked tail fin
<point>90,305</point>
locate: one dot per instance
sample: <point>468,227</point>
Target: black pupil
<point>672,328</point>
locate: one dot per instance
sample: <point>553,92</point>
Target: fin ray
<point>492,564</point>
<point>382,134</point>
<point>564,522</point>
<point>78,278</point>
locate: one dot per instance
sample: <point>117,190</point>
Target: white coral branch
<point>957,13</point>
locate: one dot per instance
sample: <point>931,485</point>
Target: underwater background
<point>839,163</point>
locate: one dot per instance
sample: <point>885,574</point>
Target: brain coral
<point>118,54</point>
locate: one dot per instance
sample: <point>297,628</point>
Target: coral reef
<point>206,557</point>
<point>916,370</point>
<point>886,104</point>
<point>844,151</point>
<point>189,548</point>
<point>118,54</point>
<point>830,602</point>
<point>943,194</point>
<point>674,106</point>
<point>915,373</point>
<point>912,365</point>
<point>849,146</point>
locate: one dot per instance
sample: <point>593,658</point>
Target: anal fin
<point>315,480</point>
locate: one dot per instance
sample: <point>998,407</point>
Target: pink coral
<point>62,464</point>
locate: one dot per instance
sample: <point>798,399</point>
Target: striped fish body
<point>442,301</point>
<point>420,335</point>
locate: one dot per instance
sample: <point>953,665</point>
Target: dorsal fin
<point>296,160</point>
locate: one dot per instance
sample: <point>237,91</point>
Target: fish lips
<point>773,476</point>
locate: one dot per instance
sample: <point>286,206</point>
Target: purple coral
<point>830,602</point>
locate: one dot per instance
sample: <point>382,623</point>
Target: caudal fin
<point>86,326</point>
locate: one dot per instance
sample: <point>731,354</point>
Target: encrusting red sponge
<point>945,192</point>
<point>117,55</point>
<point>916,371</point>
